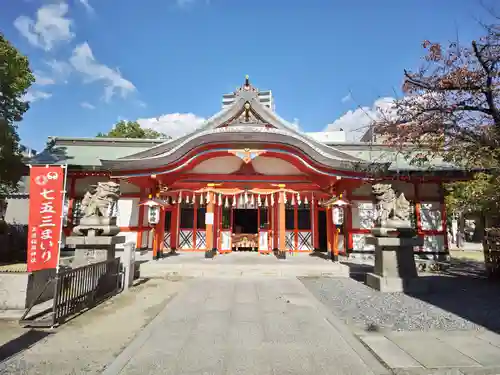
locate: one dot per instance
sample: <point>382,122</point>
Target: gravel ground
<point>86,344</point>
<point>462,304</point>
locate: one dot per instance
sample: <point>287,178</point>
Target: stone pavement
<point>245,326</point>
<point>194,264</point>
<point>86,344</point>
<point>451,331</point>
<point>418,353</point>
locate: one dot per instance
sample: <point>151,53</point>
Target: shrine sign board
<point>47,184</point>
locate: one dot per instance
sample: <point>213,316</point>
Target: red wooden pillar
<point>195,222</point>
<point>269,229</point>
<point>314,220</point>
<point>295,226</point>
<point>329,231</point>
<point>160,233</point>
<point>444,221</point>
<point>348,243</point>
<point>140,220</point>
<point>174,226</point>
<point>209,228</point>
<point>276,221</point>
<point>281,221</point>
<point>418,215</point>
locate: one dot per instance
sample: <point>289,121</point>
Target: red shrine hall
<point>249,180</point>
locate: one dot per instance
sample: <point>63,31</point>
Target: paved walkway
<point>245,326</point>
<point>430,352</point>
<point>194,264</point>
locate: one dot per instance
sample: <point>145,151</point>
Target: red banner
<point>46,210</point>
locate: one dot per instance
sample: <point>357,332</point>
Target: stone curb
<point>119,363</point>
<point>368,357</point>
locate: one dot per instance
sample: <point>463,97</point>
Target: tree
<point>452,110</point>
<point>132,129</point>
<point>15,79</point>
<point>452,104</point>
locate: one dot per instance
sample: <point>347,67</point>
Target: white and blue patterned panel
<point>166,240</point>
<point>225,240</point>
<point>363,215</point>
<point>359,242</point>
<point>186,239</point>
<point>201,239</point>
<point>263,241</point>
<point>290,240</point>
<point>305,241</point>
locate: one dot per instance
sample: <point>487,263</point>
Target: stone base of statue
<point>97,226</point>
<point>91,249</point>
<point>395,269</point>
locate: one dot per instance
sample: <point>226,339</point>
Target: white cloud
<point>87,105</point>
<point>34,95</point>
<point>346,98</point>
<point>42,80</point>
<point>356,123</point>
<point>58,72</point>
<point>50,27</point>
<point>86,5</point>
<point>59,69</point>
<point>173,124</point>
<point>84,62</point>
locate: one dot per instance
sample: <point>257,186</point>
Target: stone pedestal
<point>128,262</point>
<point>395,268</point>
<point>93,249</point>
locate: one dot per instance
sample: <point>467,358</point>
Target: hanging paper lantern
<point>298,199</point>
<point>272,199</point>
<point>226,202</point>
<point>214,198</point>
<point>241,200</point>
<point>293,200</point>
<point>279,198</point>
<point>266,202</point>
<point>180,197</point>
<point>207,198</point>
<point>246,197</point>
<point>219,202</point>
<point>201,200</point>
<point>284,198</point>
<point>187,199</point>
<point>305,201</point>
<point>252,201</point>
<point>259,200</point>
<point>234,200</point>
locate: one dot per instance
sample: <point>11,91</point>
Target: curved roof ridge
<point>221,116</point>
<point>235,128</point>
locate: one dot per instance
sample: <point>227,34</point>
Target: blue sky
<point>168,62</point>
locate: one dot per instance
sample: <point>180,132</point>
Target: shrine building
<point>249,180</point>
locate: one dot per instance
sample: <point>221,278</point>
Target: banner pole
<point>65,167</point>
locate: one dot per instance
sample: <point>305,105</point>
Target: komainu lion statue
<point>97,207</point>
<point>99,200</point>
<point>393,210</point>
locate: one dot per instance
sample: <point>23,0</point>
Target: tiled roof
<point>88,152</point>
